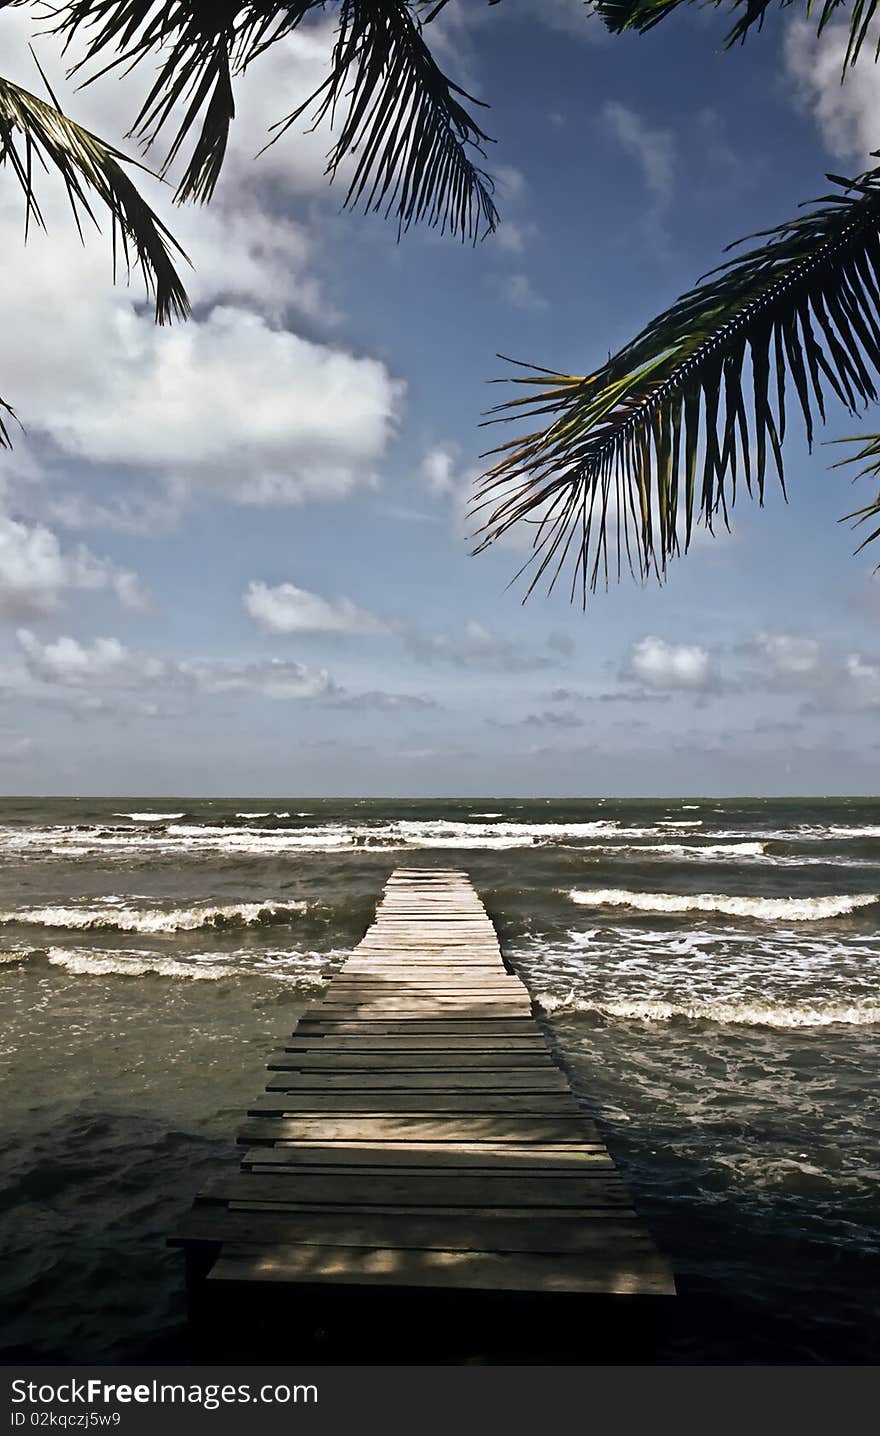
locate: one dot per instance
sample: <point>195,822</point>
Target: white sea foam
<point>108,914</point>
<point>812,909</point>
<point>300,969</point>
<point>149,817</point>
<point>743,1013</point>
<point>690,850</point>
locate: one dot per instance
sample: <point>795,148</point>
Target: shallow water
<point>708,973</point>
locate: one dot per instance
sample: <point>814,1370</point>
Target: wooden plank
<point>427,1156</point>
<point>593,1232</point>
<point>413,1189</point>
<point>415,1027</point>
<point>478,1271</point>
<point>398,1127</point>
<point>308,1060</point>
<point>548,1104</point>
<point>407,1043</point>
<point>416,1082</point>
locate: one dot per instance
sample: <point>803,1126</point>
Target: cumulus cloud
<point>789,655</point>
<point>663,666</point>
<point>287,609</point>
<point>236,403</point>
<point>36,572</point>
<point>828,678</point>
<point>104,662</point>
<point>848,113</point>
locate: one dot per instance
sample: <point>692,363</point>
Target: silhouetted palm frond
<point>659,434</point>
<point>404,123</point>
<point>643,15</point>
<point>868,455</point>
<point>32,130</point>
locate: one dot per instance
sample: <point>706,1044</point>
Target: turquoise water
<point>708,973</point>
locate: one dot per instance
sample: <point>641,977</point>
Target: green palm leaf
<point>643,15</point>
<point>625,459</point>
<point>402,119</point>
<point>32,130</point>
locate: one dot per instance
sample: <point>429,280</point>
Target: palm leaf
<point>659,435</point>
<point>868,455</point>
<point>404,123</point>
<point>32,130</point>
<point>643,15</point>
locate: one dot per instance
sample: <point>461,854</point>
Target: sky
<point>235,554</point>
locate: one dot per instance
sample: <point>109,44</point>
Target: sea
<point>707,972</point>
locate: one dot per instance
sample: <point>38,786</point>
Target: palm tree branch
<point>404,122</point>
<point>666,425</point>
<point>643,15</point>
<point>90,169</point>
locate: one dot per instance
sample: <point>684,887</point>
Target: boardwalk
<point>416,1134</point>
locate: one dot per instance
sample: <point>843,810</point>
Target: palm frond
<point>643,15</point>
<point>657,436</point>
<point>868,455</point>
<point>405,121</point>
<point>405,124</point>
<point>32,130</point>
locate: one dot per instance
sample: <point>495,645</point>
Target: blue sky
<point>234,555</point>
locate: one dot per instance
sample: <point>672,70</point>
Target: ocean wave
<point>304,970</point>
<point>812,909</point>
<point>108,915</point>
<point>150,817</point>
<point>690,850</point>
<point>11,956</point>
<point>726,1013</point>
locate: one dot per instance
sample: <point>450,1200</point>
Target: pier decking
<point>416,1136</point>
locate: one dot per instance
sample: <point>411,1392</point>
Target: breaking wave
<point>734,1013</point>
<point>812,909</point>
<point>301,969</point>
<point>108,915</point>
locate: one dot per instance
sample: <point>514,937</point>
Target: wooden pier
<point>419,1166</point>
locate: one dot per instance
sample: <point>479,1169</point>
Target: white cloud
<point>788,655</point>
<point>661,665</point>
<point>287,609</point>
<point>36,572</point>
<point>652,149</point>
<point>234,403</point>
<point>104,662</point>
<point>272,678</point>
<point>107,666</point>
<point>848,113</point>
<point>439,469</point>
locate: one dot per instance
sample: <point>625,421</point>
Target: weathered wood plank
<point>479,1271</point>
<point>548,1104</point>
<point>412,1189</point>
<point>596,1233</point>
<point>432,1127</point>
<point>449,1079</point>
<point>537,1157</point>
<point>308,1060</point>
